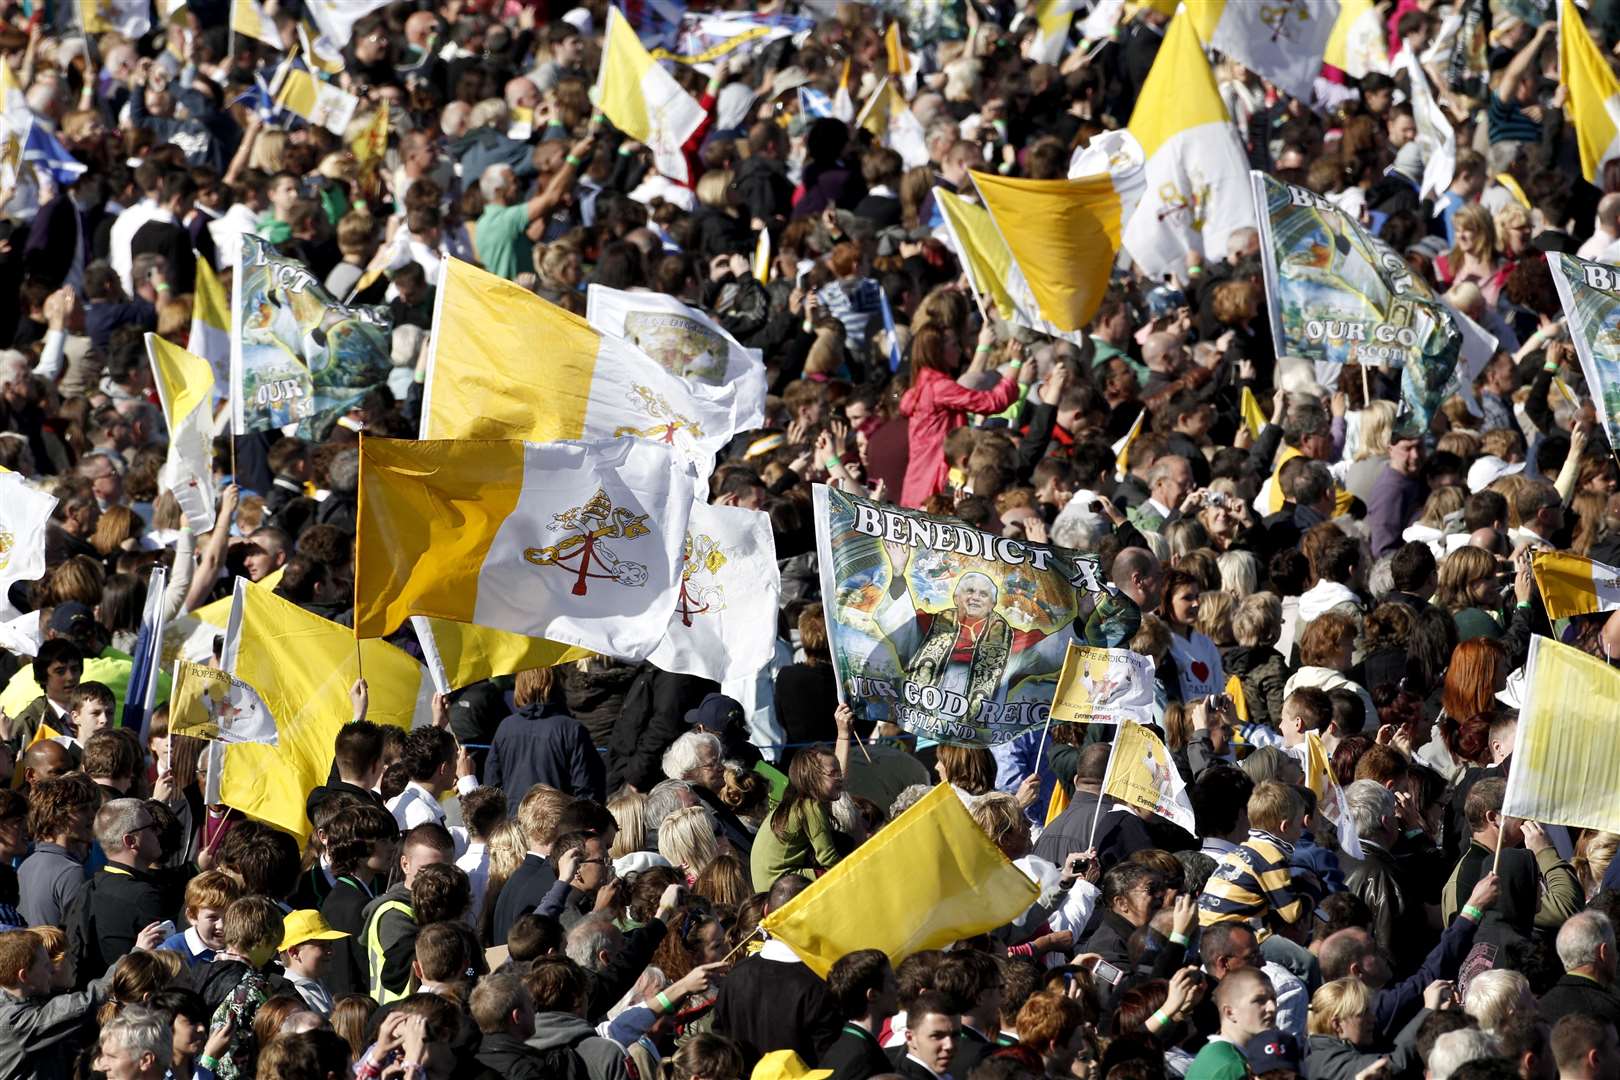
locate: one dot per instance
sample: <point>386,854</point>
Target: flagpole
<point>1500,829</point>
<point>1091,840</point>
<point>1045,731</point>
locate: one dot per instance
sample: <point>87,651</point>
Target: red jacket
<point>937,405</point>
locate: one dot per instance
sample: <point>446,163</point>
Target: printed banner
<point>1141,773</point>
<point>211,704</point>
<point>1338,294</point>
<point>1590,293</point>
<point>1104,686</point>
<point>298,356</point>
<point>959,634</point>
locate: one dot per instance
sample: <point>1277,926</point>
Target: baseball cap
<point>715,712</point>
<point>786,1065</point>
<point>306,925</point>
<point>303,925</point>
<point>1272,1049</point>
<point>71,618</point>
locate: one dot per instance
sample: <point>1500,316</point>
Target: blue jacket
<point>1309,855</point>
<point>540,745</point>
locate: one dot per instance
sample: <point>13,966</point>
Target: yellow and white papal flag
<point>249,19</point>
<point>210,704</point>
<point>686,342</point>
<point>1357,45</point>
<point>210,336</point>
<point>1330,801</point>
<point>131,18</point>
<point>322,103</point>
<point>1063,236</point>
<point>1566,751</point>
<point>1052,19</point>
<point>579,543</point>
<point>185,388</point>
<point>724,623</point>
<point>482,381</point>
<point>1593,102</point>
<point>643,100</point>
<point>1141,773</point>
<point>1197,174</point>
<point>891,121</point>
<point>459,654</point>
<point>985,260</point>
<point>1571,584</point>
<point>25,513</point>
<point>1282,41</point>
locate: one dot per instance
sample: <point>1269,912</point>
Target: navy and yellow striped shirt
<point>1249,881</point>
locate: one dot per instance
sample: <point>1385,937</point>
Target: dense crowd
<point>564,875</point>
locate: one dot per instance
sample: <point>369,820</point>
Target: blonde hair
<point>267,151</point>
<point>1340,999</point>
<point>1441,501</point>
<point>713,186</point>
<point>1459,573</point>
<point>533,686</point>
<point>1272,803</point>
<point>686,838</point>
<point>1592,858</point>
<point>1258,619</point>
<point>1215,616</point>
<point>539,811</point>
<point>997,814</point>
<point>629,812</point>
<point>1494,996</point>
<point>1377,421</point>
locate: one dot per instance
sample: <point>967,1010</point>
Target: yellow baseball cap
<point>303,925</point>
<point>786,1065</point>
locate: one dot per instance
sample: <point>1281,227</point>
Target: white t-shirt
<point>1198,662</point>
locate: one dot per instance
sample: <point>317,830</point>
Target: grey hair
<point>117,819</point>
<point>1580,938</point>
<point>1455,1048</point>
<point>142,1030</point>
<point>590,938</point>
<point>1381,578</point>
<point>686,755</point>
<point>1494,996</point>
<point>1077,528</point>
<point>1161,469</point>
<point>908,798</point>
<point>492,180</point>
<point>1370,804</point>
<point>343,471</point>
<point>663,800</point>
<point>13,366</point>
<point>490,112</point>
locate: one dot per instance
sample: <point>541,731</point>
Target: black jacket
<point>1111,940</point>
<point>855,1055</point>
<point>543,745</point>
<point>521,894</point>
<point>1578,994</point>
<point>764,188</point>
<point>106,917</point>
<point>339,787</point>
<point>344,909</point>
<point>653,717</point>
<point>1376,879</point>
<point>770,1005</point>
<point>504,1056</point>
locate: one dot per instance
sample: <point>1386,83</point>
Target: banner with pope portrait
<point>959,635</point>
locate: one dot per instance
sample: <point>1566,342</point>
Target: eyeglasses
<point>140,829</point>
<point>589,862</point>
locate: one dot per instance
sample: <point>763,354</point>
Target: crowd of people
<point>564,875</point>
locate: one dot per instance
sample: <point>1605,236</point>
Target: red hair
<point>1470,689</point>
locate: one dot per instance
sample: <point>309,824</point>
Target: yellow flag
<point>1330,802</point>
<point>1357,44</point>
<point>1566,752</point>
<point>211,326</point>
<point>980,249</point>
<point>249,19</point>
<point>1594,92</point>
<point>1141,773</point>
<point>371,143</point>
<point>302,667</point>
<point>1122,449</point>
<point>460,654</point>
<point>185,388</point>
<point>1572,585</point>
<point>1253,418</point>
<point>928,878</point>
<point>643,100</point>
<point>1062,235</point>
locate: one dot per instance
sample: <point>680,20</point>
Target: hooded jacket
<point>602,1057</point>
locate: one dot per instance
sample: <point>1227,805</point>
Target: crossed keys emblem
<point>1277,16</point>
<point>588,526</point>
<point>7,542</point>
<point>656,407</point>
<point>701,553</point>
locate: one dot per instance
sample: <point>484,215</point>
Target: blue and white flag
<point>148,658</point>
<point>888,328</point>
<point>47,152</point>
<point>813,104</point>
<point>258,98</point>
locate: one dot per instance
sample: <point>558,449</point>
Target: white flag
<point>24,516</point>
<point>1280,40</point>
<point>686,342</point>
<point>724,623</point>
<point>1435,134</point>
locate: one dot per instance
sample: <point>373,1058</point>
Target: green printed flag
<point>297,355</point>
<point>1590,293</point>
<point>955,634</point>
<point>1337,295</point>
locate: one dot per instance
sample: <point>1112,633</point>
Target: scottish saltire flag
<point>888,328</point>
<point>258,98</point>
<point>148,658</point>
<point>814,104</point>
<point>46,152</point>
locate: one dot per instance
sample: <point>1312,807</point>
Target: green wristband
<point>572,160</point>
<point>1469,911</point>
<point>832,462</point>
<point>663,1000</point>
<point>1178,938</point>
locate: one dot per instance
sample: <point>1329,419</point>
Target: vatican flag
<point>1566,752</point>
<point>1357,44</point>
<point>1197,175</point>
<point>482,380</point>
<point>904,64</point>
<point>460,654</point>
<point>985,260</point>
<point>131,18</point>
<point>1062,236</point>
<point>891,121</point>
<point>1594,91</point>
<point>576,542</point>
<point>24,516</point>
<point>1254,417</point>
<point>301,667</point>
<point>686,342</point>
<point>249,19</point>
<point>185,388</point>
<point>1052,19</point>
<point>643,100</point>
<point>1281,41</point>
<point>928,878</point>
<point>209,704</point>
<point>211,326</point>
<point>321,103</point>
<point>723,626</point>
<point>1330,802</point>
<point>335,19</point>
<point>1570,584</point>
<point>1142,774</point>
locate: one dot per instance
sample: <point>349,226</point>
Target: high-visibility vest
<point>374,954</point>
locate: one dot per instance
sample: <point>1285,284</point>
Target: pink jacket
<point>937,405</point>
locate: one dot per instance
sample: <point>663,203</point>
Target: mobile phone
<point>1107,972</point>
<point>167,928</point>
